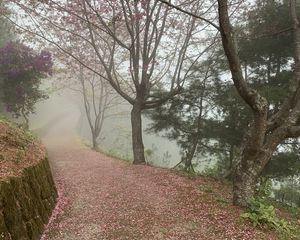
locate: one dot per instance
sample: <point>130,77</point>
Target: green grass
<point>114,154</point>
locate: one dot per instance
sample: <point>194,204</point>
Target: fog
<point>64,112</point>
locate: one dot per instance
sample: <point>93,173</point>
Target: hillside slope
<point>27,190</point>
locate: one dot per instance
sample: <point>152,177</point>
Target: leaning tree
<point>268,129</point>
<point>269,126</point>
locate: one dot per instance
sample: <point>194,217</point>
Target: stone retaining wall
<point>26,203</point>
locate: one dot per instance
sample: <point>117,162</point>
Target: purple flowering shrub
<point>21,71</point>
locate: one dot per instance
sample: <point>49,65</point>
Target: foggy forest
<point>149,119</point>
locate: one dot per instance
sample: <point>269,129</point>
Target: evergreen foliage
<point>184,117</point>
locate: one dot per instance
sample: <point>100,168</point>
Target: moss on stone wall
<point>26,202</point>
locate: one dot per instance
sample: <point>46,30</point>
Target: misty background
<point>67,105</point>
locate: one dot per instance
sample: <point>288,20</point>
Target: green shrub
<point>212,171</point>
<point>260,212</point>
<point>16,135</point>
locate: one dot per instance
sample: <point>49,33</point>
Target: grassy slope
<point>18,149</point>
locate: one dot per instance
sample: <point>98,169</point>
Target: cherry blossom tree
<point>149,46</point>
<point>99,99</point>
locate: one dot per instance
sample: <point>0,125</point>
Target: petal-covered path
<point>104,198</point>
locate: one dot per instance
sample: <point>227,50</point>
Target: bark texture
<point>265,132</point>
<point>137,134</point>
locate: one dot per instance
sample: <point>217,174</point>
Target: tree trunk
<point>190,154</point>
<point>137,134</point>
<point>230,168</point>
<point>282,197</point>
<point>244,183</point>
<point>95,143</point>
<point>26,124</point>
<point>231,157</point>
<point>248,171</point>
<point>188,166</point>
<point>278,67</point>
<point>269,69</point>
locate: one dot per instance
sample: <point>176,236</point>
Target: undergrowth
<point>261,213</point>
<point>114,154</point>
<point>16,135</point>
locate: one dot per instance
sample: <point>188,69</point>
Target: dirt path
<point>109,199</point>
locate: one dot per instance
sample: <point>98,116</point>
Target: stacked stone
<point>26,203</point>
